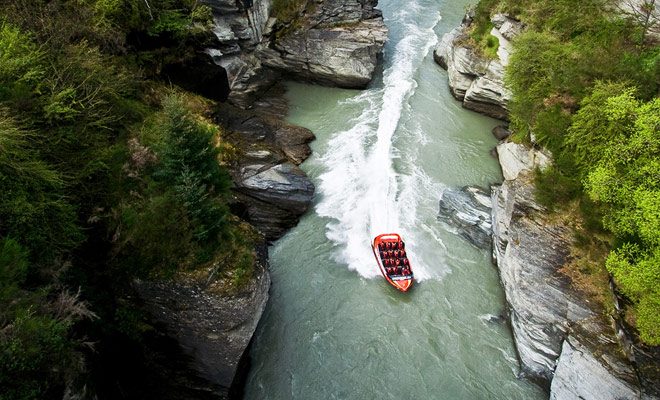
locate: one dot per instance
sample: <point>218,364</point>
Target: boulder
<point>501,132</point>
<point>509,27</point>
<point>468,209</point>
<point>282,185</point>
<point>213,329</point>
<point>515,158</point>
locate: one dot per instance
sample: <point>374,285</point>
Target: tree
<point>624,173</point>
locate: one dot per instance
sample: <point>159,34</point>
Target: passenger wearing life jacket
<point>403,252</point>
<point>397,262</point>
<point>396,253</point>
<point>406,262</point>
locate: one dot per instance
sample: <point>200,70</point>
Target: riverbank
<point>564,336</point>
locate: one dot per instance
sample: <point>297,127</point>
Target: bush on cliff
<point>584,87</point>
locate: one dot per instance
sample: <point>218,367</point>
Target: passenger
<point>398,270</point>
<point>406,262</point>
<point>403,245</point>
<point>397,262</point>
<point>390,253</point>
<point>396,253</point>
<point>382,255</point>
<point>403,253</point>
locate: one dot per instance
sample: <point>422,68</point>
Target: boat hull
<point>399,281</point>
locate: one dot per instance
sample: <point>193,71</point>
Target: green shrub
<point>286,10</point>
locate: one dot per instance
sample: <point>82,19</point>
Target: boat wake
<point>370,185</point>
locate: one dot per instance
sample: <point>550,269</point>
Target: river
<point>333,328</point>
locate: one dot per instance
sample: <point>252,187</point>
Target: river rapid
<point>333,328</point>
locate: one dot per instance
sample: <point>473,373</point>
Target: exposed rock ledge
<point>561,338</point>
<point>474,79</point>
<point>271,192</point>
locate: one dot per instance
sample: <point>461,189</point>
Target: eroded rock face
<point>579,375</point>
<point>529,252</point>
<point>239,28</point>
<point>474,79</point>
<point>338,44</point>
<point>468,209</point>
<point>270,189</point>
<point>212,329</point>
<point>545,309</point>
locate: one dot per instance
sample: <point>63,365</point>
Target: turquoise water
<point>333,328</point>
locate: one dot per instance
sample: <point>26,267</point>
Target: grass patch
<point>492,44</point>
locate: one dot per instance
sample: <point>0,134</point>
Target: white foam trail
<point>361,191</point>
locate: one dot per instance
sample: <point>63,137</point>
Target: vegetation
<point>585,78</point>
<point>287,10</point>
<point>105,175</point>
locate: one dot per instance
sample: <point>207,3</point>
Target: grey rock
<point>580,375</point>
<point>515,158</point>
<point>469,210</point>
<point>338,45</point>
<point>545,308</point>
<point>509,27</point>
<point>473,79</point>
<point>344,55</point>
<point>212,329</point>
<point>271,192</point>
<point>528,253</point>
<point>283,185</point>
<point>501,132</point>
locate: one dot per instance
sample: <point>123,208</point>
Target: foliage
<point>286,10</point>
<point>85,207</point>
<point>614,136</point>
<point>189,162</point>
<point>37,352</point>
<point>584,84</point>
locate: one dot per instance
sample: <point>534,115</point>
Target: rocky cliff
<point>211,326</point>
<point>271,192</point>
<point>331,42</point>
<point>475,79</point>
<point>562,338</point>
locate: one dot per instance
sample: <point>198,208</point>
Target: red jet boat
<point>390,252</point>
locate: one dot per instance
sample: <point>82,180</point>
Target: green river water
<point>333,328</point>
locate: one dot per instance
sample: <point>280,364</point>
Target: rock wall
<point>212,328</point>
<point>561,339</point>
<point>474,79</point>
<point>337,43</point>
<point>271,192</point>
